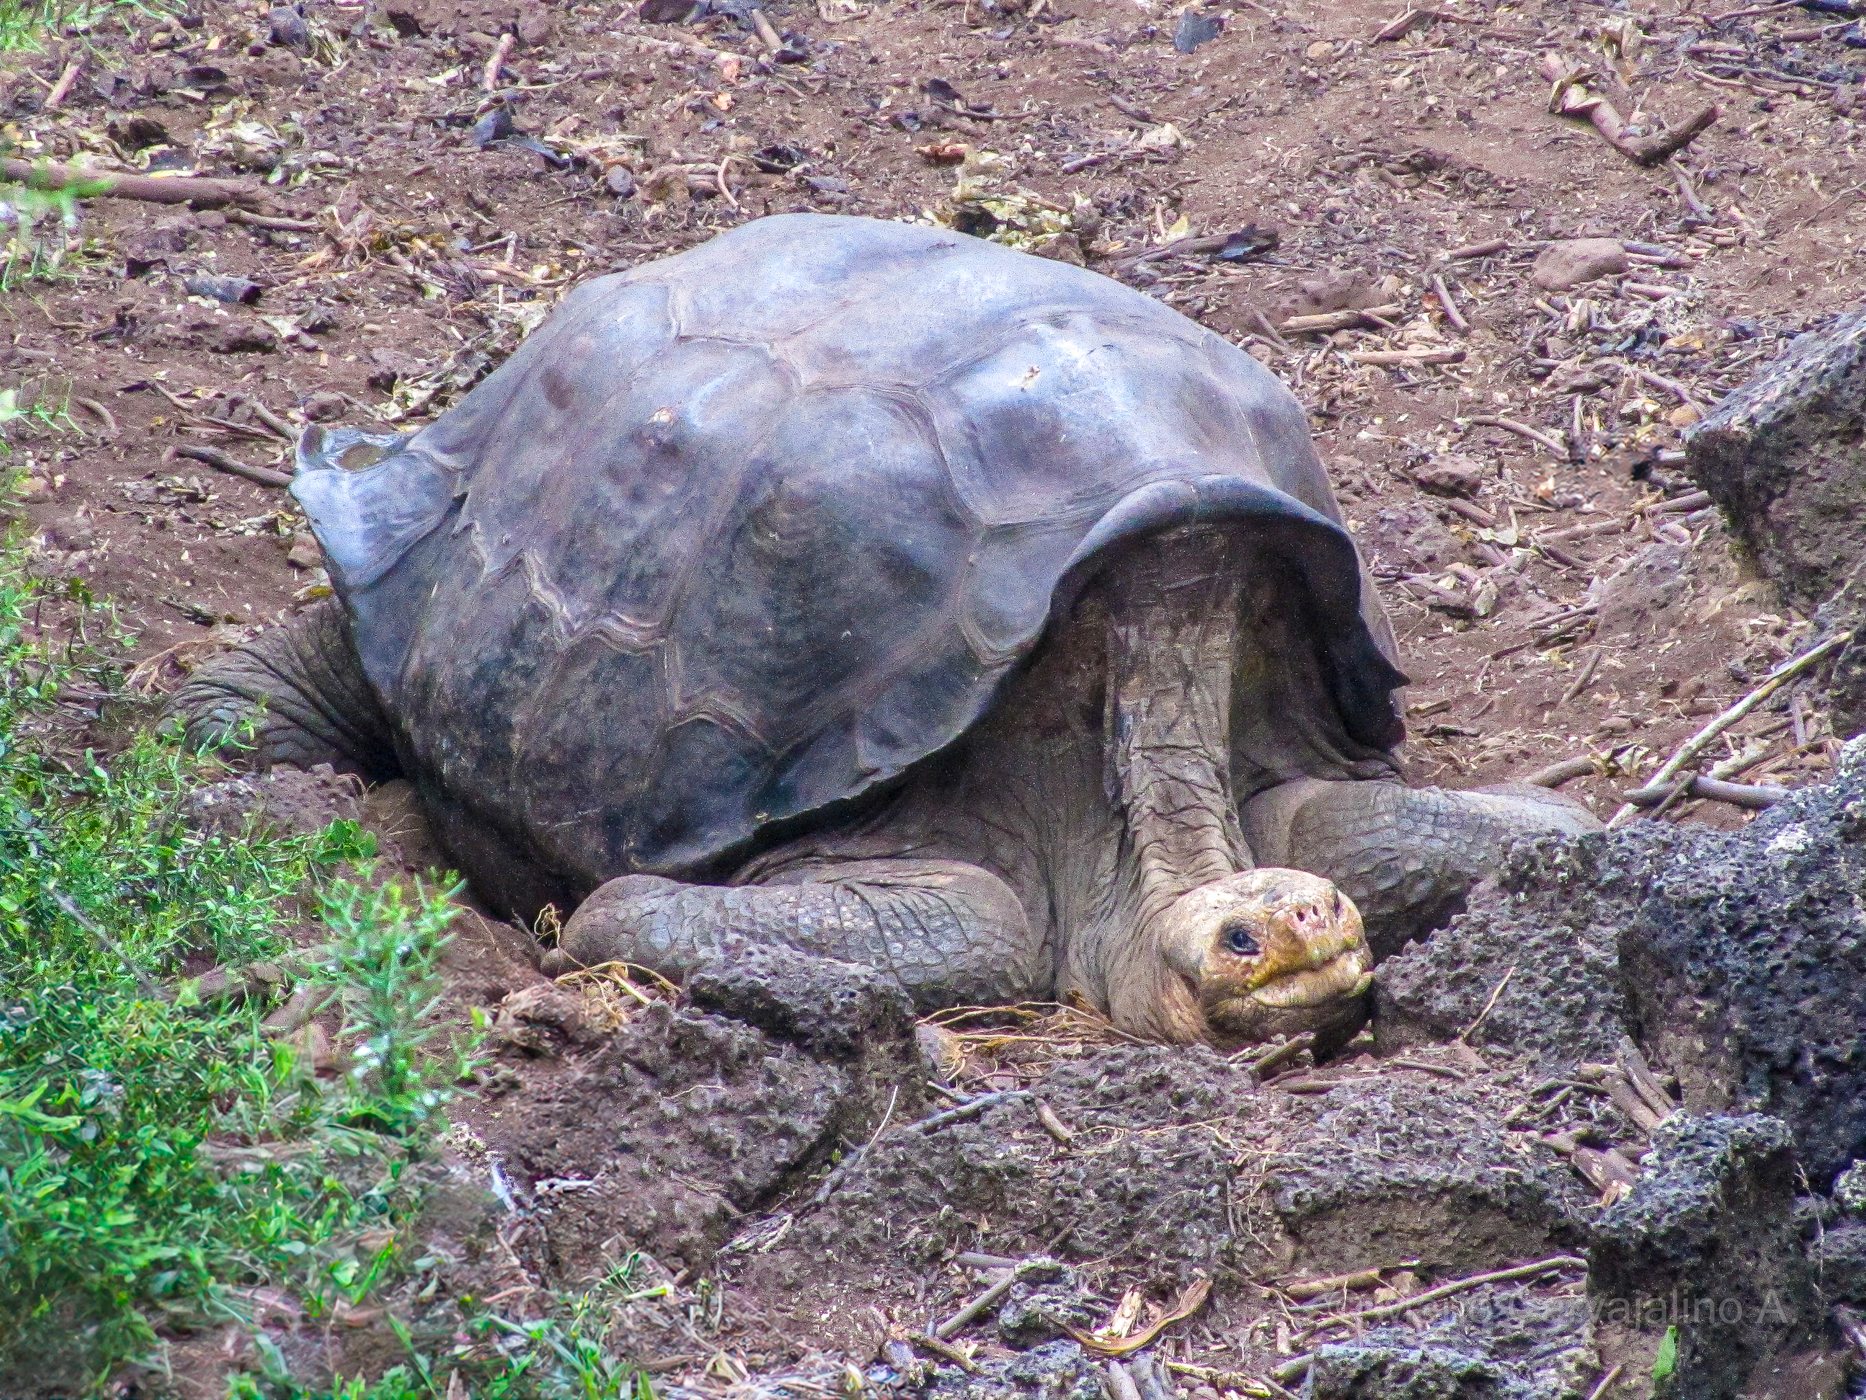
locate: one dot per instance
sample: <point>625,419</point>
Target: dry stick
<point>1495,992</point>
<point>1689,194</point>
<point>1662,148</point>
<point>1406,357</point>
<point>1754,796</point>
<point>271,221</point>
<point>103,415</point>
<point>1452,314</point>
<point>1607,1381</point>
<point>221,462</point>
<point>62,88</point>
<point>1701,740</point>
<point>1460,1285</point>
<point>501,51</point>
<point>1288,1050</point>
<point>1585,679</point>
<point>767,34</point>
<point>975,1309</point>
<point>1478,250</point>
<point>1120,1384</point>
<point>144,983</point>
<point>1556,774</point>
<point>150,189</point>
<point>1510,425</point>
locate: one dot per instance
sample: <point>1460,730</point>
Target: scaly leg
<point>949,933</point>
<point>302,688</point>
<point>1406,856</point>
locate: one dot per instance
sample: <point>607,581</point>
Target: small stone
<point>619,180</point>
<point>304,553</point>
<point>323,406</point>
<point>1567,264</point>
<point>239,337</point>
<point>1452,475</point>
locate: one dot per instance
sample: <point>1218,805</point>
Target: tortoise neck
<point>1172,650</point>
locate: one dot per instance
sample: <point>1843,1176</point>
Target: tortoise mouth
<point>1330,998</point>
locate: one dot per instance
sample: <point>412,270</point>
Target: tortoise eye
<point>1238,939</point>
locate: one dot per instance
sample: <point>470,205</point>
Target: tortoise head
<point>1264,953</point>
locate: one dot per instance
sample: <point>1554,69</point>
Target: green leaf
<point>1666,1362</point>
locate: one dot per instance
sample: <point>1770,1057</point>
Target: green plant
<point>162,1156</point>
<point>1665,1361</point>
<point>24,24</point>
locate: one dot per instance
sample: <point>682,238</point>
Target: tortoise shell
<point>740,534</point>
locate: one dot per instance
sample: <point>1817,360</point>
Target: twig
<point>1585,679</point>
<point>971,1108</point>
<point>271,221</point>
<point>1606,1381</point>
<point>1510,425</point>
<point>150,189</point>
<point>767,33</point>
<point>1754,796</point>
<point>62,88</point>
<point>1340,320</point>
<point>975,1309</point>
<point>1688,193</point>
<point>1478,250</point>
<point>847,1164</point>
<point>102,414</point>
<point>1460,1285</point>
<point>1288,1050</point>
<point>1452,314</point>
<point>1701,740</point>
<point>221,462</point>
<point>1120,1384</point>
<point>1556,774</point>
<point>1662,148</point>
<point>1406,357</point>
<point>144,983</point>
<point>269,418</point>
<point>943,1351</point>
<point>1495,992</point>
<point>501,51</point>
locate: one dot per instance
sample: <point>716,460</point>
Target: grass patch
<point>161,1156</point>
<point>27,24</point>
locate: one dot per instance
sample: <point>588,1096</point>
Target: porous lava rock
<point>1733,958</point>
<point>663,1134</point>
<point>1705,1251</point>
<point>1499,1346</point>
<point>1394,1168</point>
<point>1785,458</point>
<point>1530,966</point>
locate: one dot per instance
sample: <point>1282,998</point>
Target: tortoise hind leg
<point>948,933</point>
<point>1406,856</point>
<point>302,689</point>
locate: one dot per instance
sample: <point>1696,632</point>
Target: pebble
<point>1567,264</point>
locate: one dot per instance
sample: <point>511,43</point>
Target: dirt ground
<point>435,174</point>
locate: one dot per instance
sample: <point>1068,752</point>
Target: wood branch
<point>1487,248</point>
<point>221,462</point>
<point>1510,425</point>
<point>62,88</point>
<point>1755,797</point>
<point>200,191</point>
<point>1452,314</point>
<point>495,65</point>
<point>1460,1285</point>
<point>1556,774</point>
<point>1406,357</point>
<point>975,1309</point>
<point>1698,742</point>
<point>1340,320</point>
<point>1657,150</point>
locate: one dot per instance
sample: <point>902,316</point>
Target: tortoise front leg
<point>1406,856</point>
<point>948,933</point>
<point>302,688</point>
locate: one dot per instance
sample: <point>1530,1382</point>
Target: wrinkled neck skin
<point>1172,648</point>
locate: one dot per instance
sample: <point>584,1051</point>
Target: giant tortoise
<point>880,591</point>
